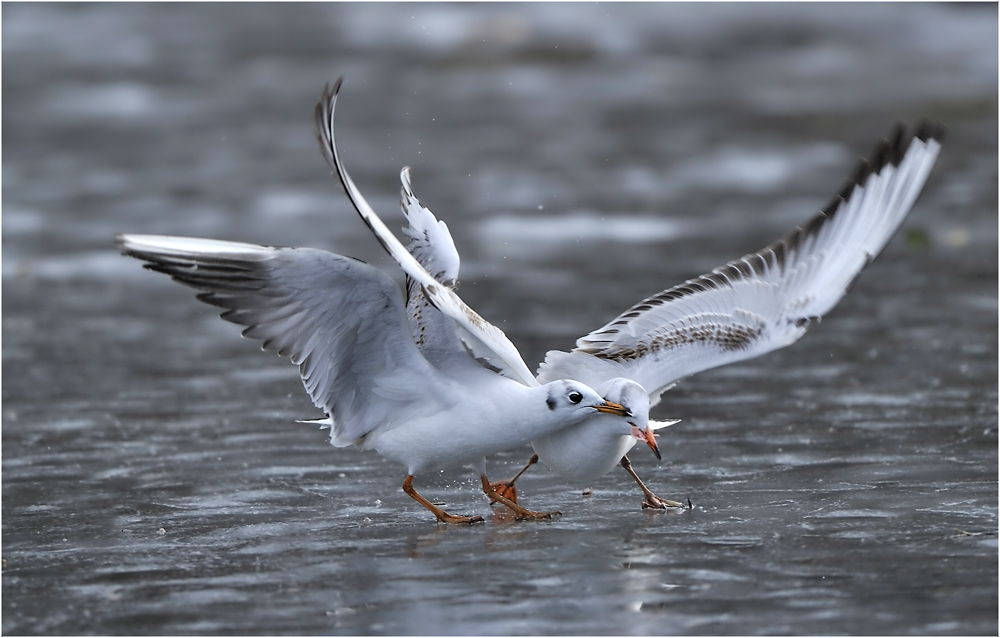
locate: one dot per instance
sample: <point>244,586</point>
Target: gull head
<point>574,398</point>
<point>635,400</point>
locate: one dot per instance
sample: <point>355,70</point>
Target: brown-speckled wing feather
<point>765,300</point>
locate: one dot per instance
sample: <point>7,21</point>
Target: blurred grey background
<point>584,156</point>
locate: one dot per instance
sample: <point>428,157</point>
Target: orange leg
<point>506,489</point>
<point>652,501</point>
<point>520,512</point>
<point>442,516</point>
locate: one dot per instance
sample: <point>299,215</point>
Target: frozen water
<point>154,480</point>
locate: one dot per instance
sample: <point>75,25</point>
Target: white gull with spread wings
<point>344,324</point>
<point>447,331</point>
<point>749,307</point>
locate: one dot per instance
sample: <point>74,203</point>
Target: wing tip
<point>330,92</point>
<point>404,179</point>
<point>323,112</point>
<point>928,130</point>
<point>887,152</point>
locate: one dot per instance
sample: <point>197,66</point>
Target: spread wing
<point>432,246</point>
<point>340,320</point>
<point>430,242</point>
<point>483,338</point>
<point>762,301</point>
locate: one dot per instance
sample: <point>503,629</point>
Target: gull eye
<point>575,397</point>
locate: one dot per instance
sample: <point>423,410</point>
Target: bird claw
<point>528,515</point>
<point>460,520</point>
<point>655,502</point>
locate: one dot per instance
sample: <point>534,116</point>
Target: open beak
<point>648,437</point>
<point>612,408</point>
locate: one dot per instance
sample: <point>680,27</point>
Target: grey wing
<point>340,320</point>
<point>766,300</point>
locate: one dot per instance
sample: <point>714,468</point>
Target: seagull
<point>598,444</point>
<point>444,328</point>
<point>344,324</point>
<point>759,303</point>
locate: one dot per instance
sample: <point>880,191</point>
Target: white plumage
<point>766,300</point>
<point>400,379</point>
<point>345,325</point>
<point>751,306</point>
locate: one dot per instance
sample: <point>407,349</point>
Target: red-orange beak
<point>648,437</point>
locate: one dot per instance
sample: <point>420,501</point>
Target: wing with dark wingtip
<point>340,320</point>
<point>766,300</point>
<point>483,338</point>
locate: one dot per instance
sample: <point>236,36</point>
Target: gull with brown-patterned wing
<point>759,303</point>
